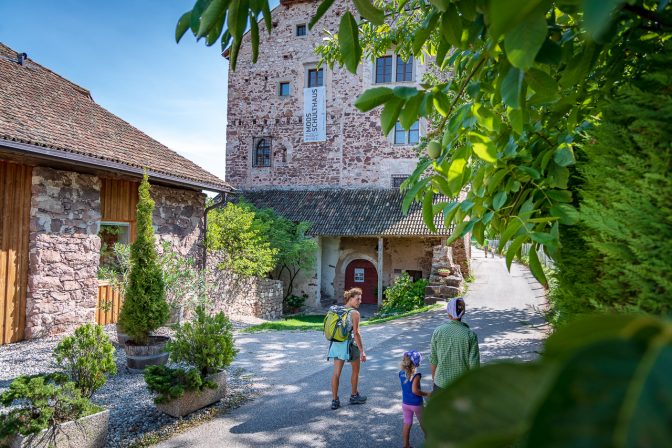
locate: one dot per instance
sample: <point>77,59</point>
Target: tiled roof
<point>347,212</point>
<point>42,109</point>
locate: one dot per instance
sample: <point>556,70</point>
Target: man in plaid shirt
<point>454,347</point>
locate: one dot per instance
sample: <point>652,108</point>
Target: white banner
<point>314,115</point>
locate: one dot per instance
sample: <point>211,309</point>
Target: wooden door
<point>15,191</point>
<point>362,274</point>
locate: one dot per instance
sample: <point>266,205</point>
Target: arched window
<point>261,153</point>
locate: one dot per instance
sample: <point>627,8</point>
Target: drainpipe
<point>223,199</point>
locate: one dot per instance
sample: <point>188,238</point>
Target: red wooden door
<point>362,274</point>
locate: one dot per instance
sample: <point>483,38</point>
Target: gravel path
<point>133,416</point>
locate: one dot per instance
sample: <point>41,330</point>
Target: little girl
<point>411,392</point>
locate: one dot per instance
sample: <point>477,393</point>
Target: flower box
<point>86,432</point>
<point>193,400</point>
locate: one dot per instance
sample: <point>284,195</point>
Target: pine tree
<point>145,308</point>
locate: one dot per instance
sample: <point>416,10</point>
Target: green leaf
<point>543,238</point>
<point>528,170</point>
<point>409,114</point>
<point>390,114</point>
<point>216,30</point>
<point>209,18</point>
<point>505,15</point>
<point>512,86</point>
<point>623,384</point>
<point>499,200</point>
<point>266,11</point>
<point>564,156</point>
<point>428,210</point>
<point>511,229</point>
<point>516,119</point>
<point>237,18</point>
<point>423,33</point>
<point>567,214</point>
<point>513,249</point>
<point>492,404</point>
<point>550,53</point>
<point>411,193</point>
<point>254,37</point>
<point>523,42</point>
<point>348,38</point>
<point>483,147</point>
<point>441,5</point>
<point>545,87</point>
<point>370,12</point>
<point>182,26</point>
<point>535,266</point>
<point>373,98</point>
<point>495,180</point>
<point>451,26</point>
<point>559,195</point>
<point>598,15</point>
<point>441,103</point>
<point>197,10</point>
<point>321,10</point>
<point>456,170</point>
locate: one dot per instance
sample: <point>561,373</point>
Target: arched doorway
<point>362,274</point>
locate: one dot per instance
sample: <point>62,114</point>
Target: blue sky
<point>124,52</point>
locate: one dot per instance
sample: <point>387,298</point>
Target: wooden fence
<point>109,304</point>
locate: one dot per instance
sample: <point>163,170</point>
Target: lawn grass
<point>314,321</point>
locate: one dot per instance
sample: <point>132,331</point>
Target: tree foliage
<point>145,308</point>
<point>244,248</point>
<point>518,83</point>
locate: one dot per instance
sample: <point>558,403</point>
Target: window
<point>111,233</point>
<point>315,77</point>
<point>404,70</point>
<point>261,153</point>
<point>283,89</point>
<point>359,275</point>
<point>301,30</point>
<point>398,179</point>
<point>404,137</point>
<point>384,69</point>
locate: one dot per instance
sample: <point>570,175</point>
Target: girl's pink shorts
<point>409,410</point>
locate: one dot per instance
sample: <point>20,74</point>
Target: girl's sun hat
<point>416,357</point>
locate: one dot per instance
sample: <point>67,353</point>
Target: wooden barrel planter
<point>140,356</point>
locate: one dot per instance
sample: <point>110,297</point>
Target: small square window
<point>261,152</point>
<point>315,77</point>
<point>283,89</point>
<point>301,30</point>
<point>359,275</point>
<point>404,69</point>
<point>404,137</point>
<point>384,69</point>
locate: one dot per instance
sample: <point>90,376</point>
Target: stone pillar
<point>380,271</point>
<point>64,251</point>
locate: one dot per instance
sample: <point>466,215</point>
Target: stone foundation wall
<point>178,219</point>
<point>257,297</point>
<point>63,251</point>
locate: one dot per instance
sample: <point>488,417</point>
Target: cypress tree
<point>145,308</point>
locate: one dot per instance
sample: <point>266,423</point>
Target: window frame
<point>398,129</point>
<point>289,88</point>
<point>396,60</point>
<point>397,179</point>
<point>304,26</point>
<point>317,71</point>
<point>256,141</point>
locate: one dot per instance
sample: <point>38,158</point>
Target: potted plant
<point>55,409</point>
<point>443,272</point>
<point>206,345</point>
<point>145,308</point>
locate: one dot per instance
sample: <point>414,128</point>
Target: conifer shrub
<point>87,357</point>
<point>168,383</point>
<point>206,343</point>
<point>145,308</point>
<point>42,401</point>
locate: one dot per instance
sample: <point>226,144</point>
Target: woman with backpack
<point>351,349</point>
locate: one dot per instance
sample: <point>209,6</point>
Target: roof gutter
<point>94,162</point>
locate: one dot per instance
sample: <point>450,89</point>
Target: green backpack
<point>337,328</point>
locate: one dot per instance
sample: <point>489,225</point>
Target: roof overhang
<point>76,159</point>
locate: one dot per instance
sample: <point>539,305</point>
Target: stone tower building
<point>296,143</point>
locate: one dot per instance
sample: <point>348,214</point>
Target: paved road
<point>291,368</point>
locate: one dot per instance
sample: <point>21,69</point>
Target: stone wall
<point>355,154</point>
<point>64,251</point>
<point>462,254</point>
<point>236,296</point>
<point>178,219</point>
